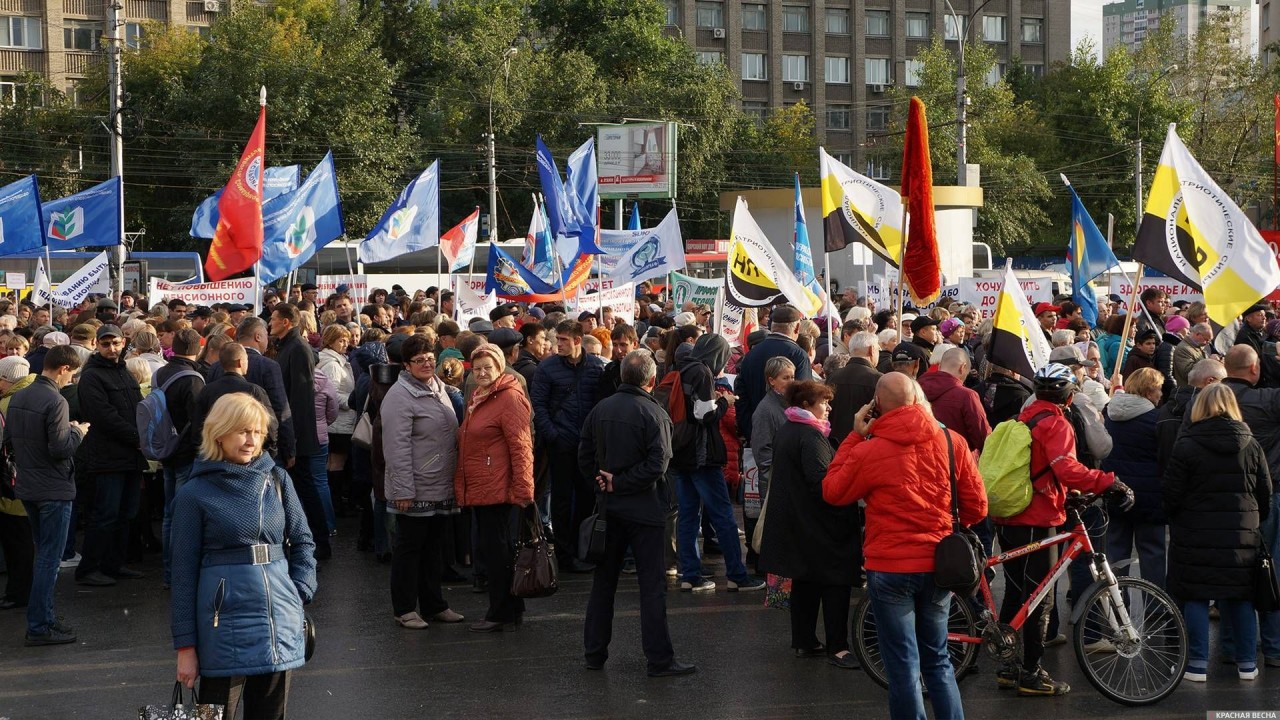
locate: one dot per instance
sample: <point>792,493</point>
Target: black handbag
<point>592,531</point>
<point>1266,596</point>
<point>535,572</point>
<point>958,559</point>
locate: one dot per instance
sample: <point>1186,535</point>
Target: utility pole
<point>1137,174</point>
<point>492,154</point>
<point>115,82</point>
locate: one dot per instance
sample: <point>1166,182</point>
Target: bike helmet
<point>1054,382</point>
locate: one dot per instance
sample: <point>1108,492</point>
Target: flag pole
<point>1128,326</point>
<point>902,255</point>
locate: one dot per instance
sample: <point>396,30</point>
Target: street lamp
<point>1146,91</point>
<point>493,169</point>
<point>962,99</point>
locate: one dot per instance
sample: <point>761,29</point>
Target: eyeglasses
<point>420,361</point>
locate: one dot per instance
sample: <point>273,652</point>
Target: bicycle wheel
<point>1135,673</point>
<point>866,639</point>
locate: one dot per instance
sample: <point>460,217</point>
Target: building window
<point>204,31</point>
<point>995,74</point>
<point>877,118</point>
<point>20,32</point>
<point>795,68</point>
<point>78,35</point>
<point>710,57</point>
<point>673,12</point>
<point>753,17</point>
<point>133,35</point>
<point>8,93</point>
<point>1035,70</point>
<point>877,23</point>
<point>755,66</point>
<point>756,110</point>
<point>878,168</point>
<point>838,21</point>
<point>710,14</point>
<point>952,27</point>
<point>913,70</point>
<point>1032,30</point>
<point>995,28</point>
<point>845,159</point>
<point>795,18</point>
<point>877,71</point>
<point>918,25</point>
<point>838,117</point>
<point>837,70</point>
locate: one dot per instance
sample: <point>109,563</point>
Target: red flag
<point>237,241</point>
<point>921,267</point>
<point>1277,138</point>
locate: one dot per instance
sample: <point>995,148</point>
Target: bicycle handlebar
<point>1078,500</point>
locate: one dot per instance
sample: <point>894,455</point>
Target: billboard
<point>636,160</point>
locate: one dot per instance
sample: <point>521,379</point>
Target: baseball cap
<point>1070,355</point>
<point>922,322</point>
<point>586,315</point>
<point>1044,307</point>
<point>902,356</point>
<point>14,368</point>
<point>653,308</point>
<point>109,331</point>
<point>784,314</point>
<point>907,318</point>
<point>537,312</point>
<point>505,338</point>
<point>342,289</point>
<point>307,287</point>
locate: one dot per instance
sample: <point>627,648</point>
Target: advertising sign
<point>636,160</point>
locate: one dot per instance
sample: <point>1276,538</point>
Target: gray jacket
<point>770,415</point>
<point>43,442</point>
<point>419,441</point>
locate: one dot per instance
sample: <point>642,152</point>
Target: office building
<point>1128,23</point>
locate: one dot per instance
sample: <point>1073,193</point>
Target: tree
<point>44,134</point>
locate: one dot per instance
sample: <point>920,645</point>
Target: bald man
<point>955,405</point>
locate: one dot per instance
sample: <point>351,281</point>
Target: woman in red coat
<point>495,476</point>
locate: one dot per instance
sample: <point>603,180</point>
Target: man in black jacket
<point>854,384</point>
<point>298,368</point>
<point>44,441</point>
<point>234,361</point>
<point>533,349</point>
<point>1253,333</point>
<point>265,373</point>
<point>749,386</point>
<point>625,447</point>
<point>109,398</point>
<point>924,337</point>
<point>181,381</point>
<point>624,341</point>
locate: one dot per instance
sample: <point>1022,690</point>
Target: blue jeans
<point>911,618</point>
<point>698,490</point>
<point>1124,536</point>
<point>115,503</point>
<point>320,476</point>
<point>70,550</point>
<point>1237,614</point>
<point>49,520</point>
<point>174,478</point>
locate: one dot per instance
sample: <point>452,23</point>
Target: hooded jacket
<point>901,470</point>
<point>1162,361</point>
<point>1217,491</point>
<point>1173,419</point>
<point>109,398</point>
<point>495,448</point>
<point>1131,421</point>
<point>420,446</point>
<point>704,362</point>
<point>243,619</point>
<point>957,407</point>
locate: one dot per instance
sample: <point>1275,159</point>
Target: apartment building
<point>1128,22</point>
<point>62,39</point>
<point>842,56</point>
<point>1268,28</point>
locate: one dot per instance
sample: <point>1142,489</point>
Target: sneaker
<point>748,584</point>
<point>701,585</point>
<point>673,571</point>
<point>629,566</point>
<point>1007,677</point>
<point>411,621</point>
<point>73,561</point>
<point>1059,639</point>
<point>1196,674</point>
<point>125,573</point>
<point>1250,674</point>
<point>52,637</point>
<point>1100,646</point>
<point>1039,683</point>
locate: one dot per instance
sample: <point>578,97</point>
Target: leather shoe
<point>96,579</point>
<point>846,662</point>
<point>448,616</point>
<point>125,573</point>
<point>9,604</point>
<point>675,668</point>
<point>488,626</point>
<point>593,664</point>
<point>816,651</point>
<point>580,567</point>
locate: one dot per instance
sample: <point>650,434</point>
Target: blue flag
<point>572,226</point>
<point>803,264</point>
<point>411,223</point>
<point>1089,257</point>
<point>511,280</point>
<point>296,224</point>
<point>584,186</point>
<point>563,220</point>
<point>90,218</point>
<point>278,181</point>
<point>634,222</point>
<point>21,226</point>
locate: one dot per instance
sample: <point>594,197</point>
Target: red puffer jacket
<point>903,474</point>
<point>1053,442</point>
<point>733,448</point>
<point>495,449</point>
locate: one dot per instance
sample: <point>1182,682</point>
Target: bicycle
<point>1141,621</point>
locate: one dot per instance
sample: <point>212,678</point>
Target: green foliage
<point>43,133</point>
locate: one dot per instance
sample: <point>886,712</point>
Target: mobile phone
<point>875,409</point>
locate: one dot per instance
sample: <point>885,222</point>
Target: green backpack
<point>1005,466</point>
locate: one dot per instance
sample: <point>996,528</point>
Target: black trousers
<point>264,697</point>
<point>495,549</point>
<point>572,500</point>
<point>304,484</point>
<point>651,571</point>
<point>1021,577</point>
<point>416,565</point>
<point>19,556</point>
<point>806,595</point>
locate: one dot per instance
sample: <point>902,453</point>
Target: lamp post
<point>962,98</point>
<point>1137,175</point>
<point>493,169</point>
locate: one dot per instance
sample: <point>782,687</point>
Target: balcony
<point>13,62</point>
<point>157,10</point>
<point>21,7</point>
<point>79,62</point>
<point>197,16</point>
<point>83,8</point>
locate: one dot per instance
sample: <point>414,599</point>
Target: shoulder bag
<point>958,559</point>
<point>593,531</point>
<point>534,575</point>
<point>362,435</point>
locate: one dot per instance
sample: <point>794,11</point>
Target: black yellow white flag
<point>856,208</point>
<point>1017,342</point>
<point>757,274</point>
<point>1191,230</point>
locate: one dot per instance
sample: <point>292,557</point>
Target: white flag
<point>41,289</point>
<point>92,278</point>
<point>660,251</point>
<point>472,305</point>
<point>757,275</point>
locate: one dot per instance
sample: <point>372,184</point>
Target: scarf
<point>800,415</point>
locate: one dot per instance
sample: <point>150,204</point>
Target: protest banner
<point>92,278</point>
<point>621,300</point>
<point>471,304</point>
<point>1175,290</point>
<point>982,293</point>
<point>244,291</point>
<point>357,286</point>
<point>699,291</point>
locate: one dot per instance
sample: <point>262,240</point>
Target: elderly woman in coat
<point>805,538</point>
<point>495,476</point>
<point>243,567</point>
<point>419,443</point>
<point>334,364</point>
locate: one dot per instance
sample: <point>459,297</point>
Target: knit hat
<point>1176,324</point>
<point>14,368</point>
<point>493,351</point>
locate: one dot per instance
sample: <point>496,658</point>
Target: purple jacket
<point>326,406</point>
<point>957,407</point>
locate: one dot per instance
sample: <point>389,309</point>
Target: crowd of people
<point>447,437</point>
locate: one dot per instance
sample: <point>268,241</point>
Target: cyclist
<point>1056,469</point>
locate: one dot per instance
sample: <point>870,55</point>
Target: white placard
<point>244,291</point>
